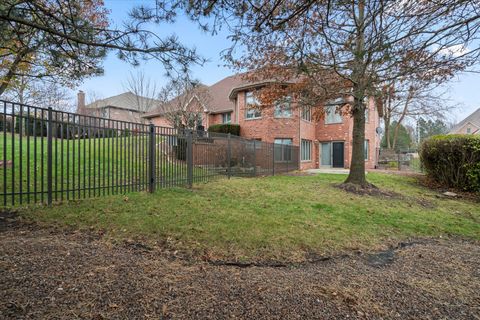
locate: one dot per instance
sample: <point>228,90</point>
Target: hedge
<point>225,128</point>
<point>453,160</point>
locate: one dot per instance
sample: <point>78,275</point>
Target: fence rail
<point>49,155</point>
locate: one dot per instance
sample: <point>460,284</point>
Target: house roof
<point>221,94</point>
<point>219,97</point>
<point>126,100</point>
<point>221,100</point>
<point>474,119</point>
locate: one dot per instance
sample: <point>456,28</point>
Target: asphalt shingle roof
<point>126,100</point>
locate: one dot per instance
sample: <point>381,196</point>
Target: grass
<point>85,167</point>
<point>277,218</point>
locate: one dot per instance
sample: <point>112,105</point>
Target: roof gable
<point>474,119</point>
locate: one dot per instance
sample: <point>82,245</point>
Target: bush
<point>225,128</point>
<point>453,160</point>
<point>29,124</point>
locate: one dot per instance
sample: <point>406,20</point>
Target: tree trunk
<point>388,115</point>
<point>357,164</point>
<point>402,117</point>
<point>386,119</point>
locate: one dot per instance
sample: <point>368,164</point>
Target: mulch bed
<point>369,190</point>
<point>49,273</point>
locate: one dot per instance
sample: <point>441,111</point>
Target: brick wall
<point>307,131</point>
<point>160,121</point>
<point>214,119</point>
<point>343,132</point>
<point>268,128</point>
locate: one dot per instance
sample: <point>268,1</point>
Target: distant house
<point>323,143</point>
<point>124,107</point>
<point>469,125</point>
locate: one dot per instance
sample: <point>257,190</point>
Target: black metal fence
<point>401,160</point>
<point>48,155</point>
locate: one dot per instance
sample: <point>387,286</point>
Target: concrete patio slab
<point>329,170</point>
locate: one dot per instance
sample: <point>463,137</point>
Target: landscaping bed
<point>58,274</point>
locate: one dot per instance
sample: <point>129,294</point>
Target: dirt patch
<point>368,190</point>
<point>46,273</point>
<point>433,185</point>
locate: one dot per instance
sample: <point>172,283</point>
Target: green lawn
<point>84,167</point>
<point>279,218</point>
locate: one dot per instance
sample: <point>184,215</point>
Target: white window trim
<point>247,108</point>
<point>333,108</point>
<point>287,100</point>
<point>223,117</point>
<point>254,118</point>
<point>301,114</point>
<point>301,150</point>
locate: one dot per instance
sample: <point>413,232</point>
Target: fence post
<point>189,158</point>
<point>49,156</point>
<point>273,159</point>
<point>151,159</point>
<point>289,156</point>
<point>229,157</point>
<point>254,158</point>
<point>399,163</point>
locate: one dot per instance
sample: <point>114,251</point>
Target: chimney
<point>81,102</point>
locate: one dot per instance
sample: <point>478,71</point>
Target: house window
<point>365,150</point>
<point>227,117</point>
<point>331,115</point>
<point>199,122</point>
<point>306,149</point>
<point>283,149</point>
<point>307,113</point>
<point>252,106</point>
<point>283,108</point>
<point>469,130</point>
<point>367,114</point>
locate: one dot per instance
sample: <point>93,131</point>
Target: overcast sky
<point>464,89</point>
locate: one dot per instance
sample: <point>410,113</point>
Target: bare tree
<point>52,95</point>
<point>402,100</point>
<point>145,91</point>
<point>183,102</point>
<point>361,44</point>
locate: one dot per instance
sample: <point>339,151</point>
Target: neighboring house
<point>469,125</point>
<point>323,143</point>
<point>123,107</point>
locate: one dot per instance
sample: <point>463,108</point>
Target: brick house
<point>122,107</point>
<point>323,143</point>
